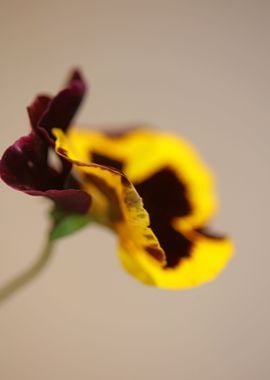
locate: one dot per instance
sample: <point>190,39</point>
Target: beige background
<point>197,68</point>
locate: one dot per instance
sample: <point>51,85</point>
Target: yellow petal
<point>144,152</point>
<point>114,198</point>
<point>207,258</point>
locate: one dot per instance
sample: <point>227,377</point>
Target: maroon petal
<point>37,109</point>
<point>73,200</point>
<point>46,113</point>
<point>65,104</point>
<point>24,167</point>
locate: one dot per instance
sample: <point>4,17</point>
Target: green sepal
<point>66,223</point>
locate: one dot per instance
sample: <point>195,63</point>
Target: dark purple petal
<point>47,112</point>
<point>64,105</point>
<point>73,200</point>
<point>37,109</point>
<point>24,167</point>
<point>75,75</point>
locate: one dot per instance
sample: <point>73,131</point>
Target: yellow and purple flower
<point>149,187</point>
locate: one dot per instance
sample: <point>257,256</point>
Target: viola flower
<point>149,187</point>
<point>156,194</point>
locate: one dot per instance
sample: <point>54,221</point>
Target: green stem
<point>24,278</point>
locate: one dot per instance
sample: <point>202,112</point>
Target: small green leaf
<point>65,223</point>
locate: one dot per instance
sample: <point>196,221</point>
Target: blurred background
<point>196,68</point>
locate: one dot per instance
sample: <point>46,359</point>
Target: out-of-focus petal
<point>37,109</point>
<point>177,193</point>
<point>114,199</point>
<point>207,258</point>
<point>141,153</point>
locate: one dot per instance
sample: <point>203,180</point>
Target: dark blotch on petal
<point>209,234</point>
<point>115,211</point>
<point>101,159</point>
<point>175,245</point>
<point>164,197</point>
<point>155,253</point>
